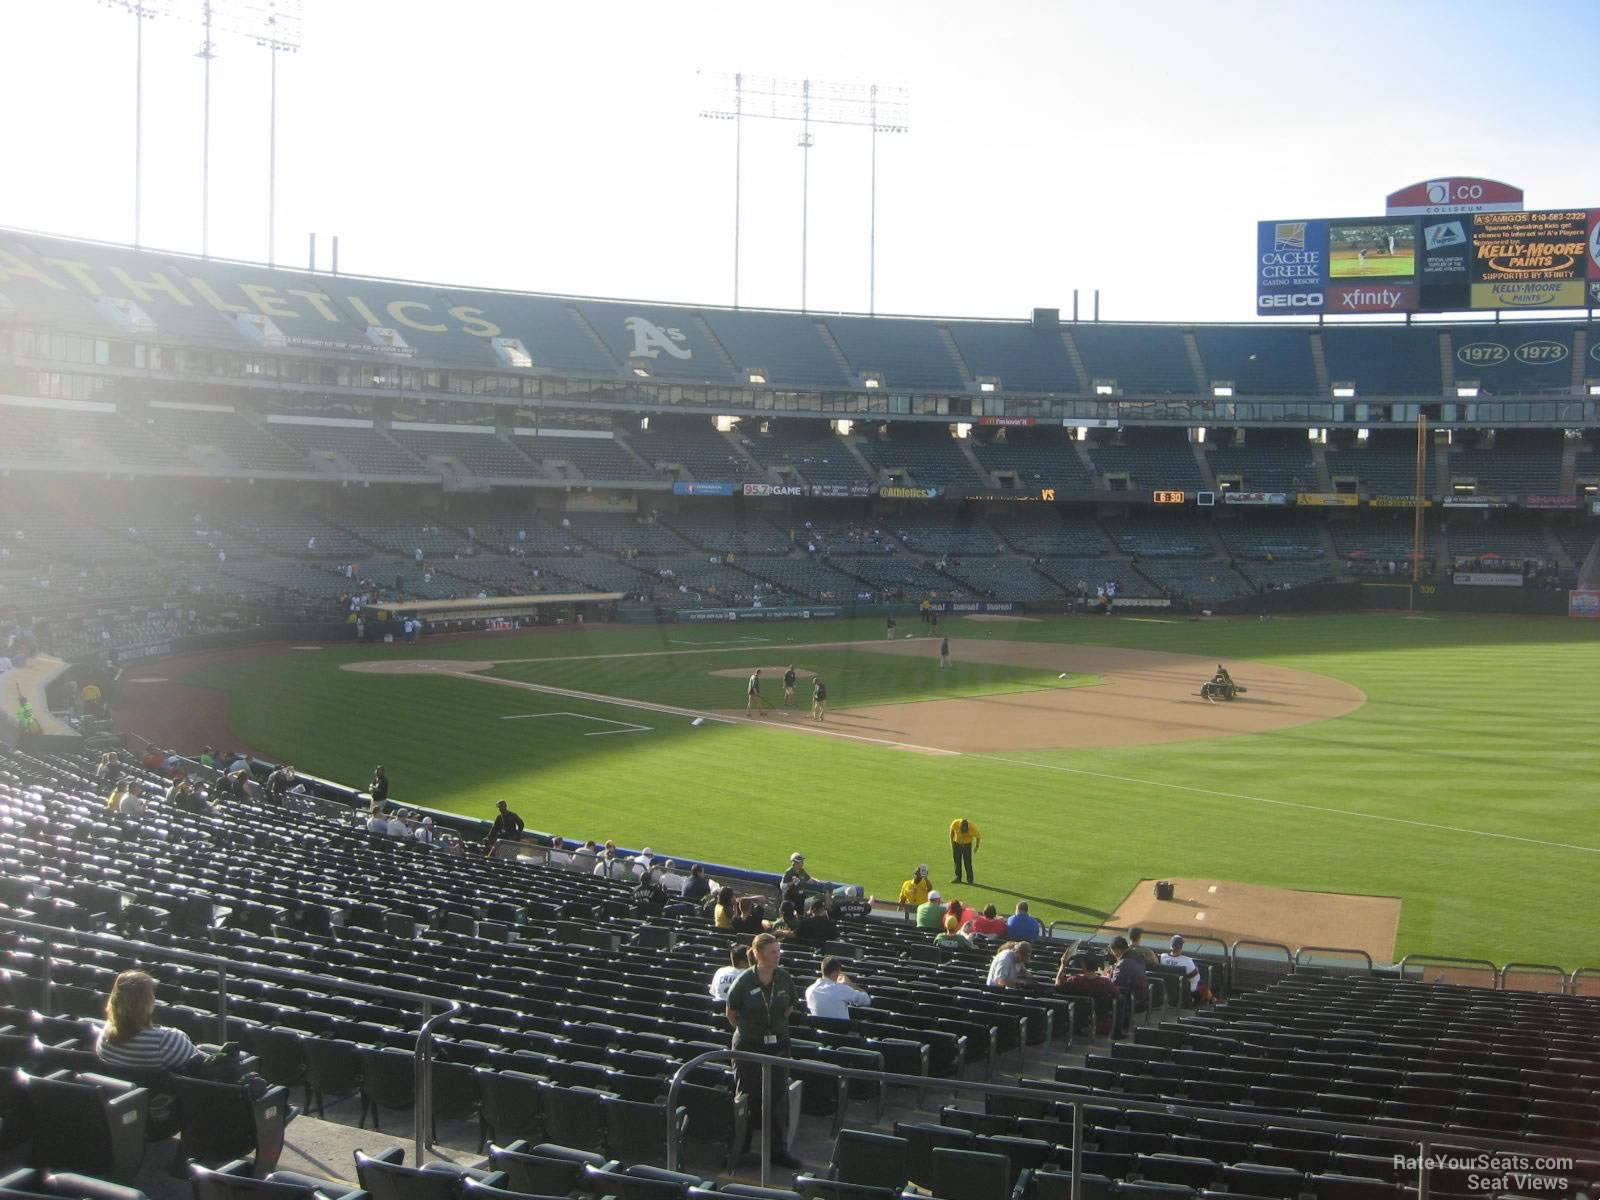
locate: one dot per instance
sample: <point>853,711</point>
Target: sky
<point>1053,145</point>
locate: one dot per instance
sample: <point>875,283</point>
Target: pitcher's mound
<point>1217,908</point>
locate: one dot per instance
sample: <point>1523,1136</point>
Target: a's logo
<point>1437,237</point>
<point>650,339</point>
<point>1594,246</point>
<point>1438,191</point>
<point>1289,235</point>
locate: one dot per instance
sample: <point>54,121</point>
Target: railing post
<point>766,1123</point>
<point>1424,1176</point>
<point>222,1005</point>
<point>1077,1150</point>
<point>424,1076</point>
<point>46,970</point>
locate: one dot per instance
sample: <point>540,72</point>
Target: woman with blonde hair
<point>131,1040</point>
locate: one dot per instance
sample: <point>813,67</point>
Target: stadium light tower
<point>274,24</point>
<point>142,10</point>
<point>875,107</point>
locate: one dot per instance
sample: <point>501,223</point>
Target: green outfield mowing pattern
<point>854,677</point>
<point>1467,784</point>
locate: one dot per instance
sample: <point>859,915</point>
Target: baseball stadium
<point>426,688</point>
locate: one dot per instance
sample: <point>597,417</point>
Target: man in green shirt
<point>758,1009</point>
<point>930,913</point>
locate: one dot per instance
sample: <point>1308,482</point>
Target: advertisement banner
<point>757,614</point>
<point>1475,502</point>
<point>1327,499</point>
<point>1455,195</point>
<point>702,489</point>
<point>1549,502</point>
<point>1594,243</point>
<point>1255,497</point>
<point>1584,604</point>
<point>1528,293</point>
<point>1372,297</point>
<point>1010,422</point>
<point>1486,579</point>
<point>842,491</point>
<point>910,493</point>
<point>1534,245</point>
<point>1395,502</point>
<point>774,489</point>
<point>975,606</point>
<point>1291,266</point>
<point>1140,602</point>
<point>1445,247</point>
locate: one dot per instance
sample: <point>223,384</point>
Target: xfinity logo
<point>1367,299</point>
<point>1291,300</point>
<point>650,339</point>
<point>1437,237</point>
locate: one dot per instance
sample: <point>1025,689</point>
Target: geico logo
<point>1291,300</point>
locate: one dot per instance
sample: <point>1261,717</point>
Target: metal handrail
<point>431,1019</point>
<point>1090,932</point>
<point>1500,980</point>
<point>1330,950</point>
<point>1426,1139</point>
<point>1575,980</point>
<point>1423,961</point>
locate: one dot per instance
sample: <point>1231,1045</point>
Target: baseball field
<point>1450,763</point>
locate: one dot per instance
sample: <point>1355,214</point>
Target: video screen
<point>1372,249</point>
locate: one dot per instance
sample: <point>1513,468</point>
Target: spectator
<point>1130,977</point>
<point>610,866</point>
<point>114,801</point>
<point>1009,967</point>
<point>643,861</point>
<point>1022,925</point>
<point>377,822</point>
<point>585,857</point>
<point>988,923</point>
<point>954,916</point>
<point>834,993</point>
<point>1095,984</point>
<point>1175,957</point>
<point>424,831</point>
<point>650,898</point>
<point>672,880</point>
<point>378,789</point>
<point>817,927</point>
<point>930,913</point>
<point>914,891</point>
<point>1143,952</point>
<point>279,783</point>
<point>723,906</point>
<point>796,875</point>
<point>131,1040</point>
<point>507,827</point>
<point>396,827</point>
<point>697,887</point>
<point>749,915</point>
<point>107,766</point>
<point>758,1009</point>
<point>738,963</point>
<point>130,805</point>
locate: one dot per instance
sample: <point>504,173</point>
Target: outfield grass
<point>1466,784</point>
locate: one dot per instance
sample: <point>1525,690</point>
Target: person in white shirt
<point>377,822</point>
<point>834,993</point>
<point>643,861</point>
<point>1009,967</point>
<point>584,857</point>
<point>722,981</point>
<point>396,827</point>
<point>612,867</point>
<point>424,832</point>
<point>1175,957</point>
<point>672,879</point>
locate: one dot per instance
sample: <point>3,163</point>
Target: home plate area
<point>617,726</point>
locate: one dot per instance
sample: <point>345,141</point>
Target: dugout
<point>489,614</point>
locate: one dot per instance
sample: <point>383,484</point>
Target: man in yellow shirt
<point>914,891</point>
<point>964,841</point>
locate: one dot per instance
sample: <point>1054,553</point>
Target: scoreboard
<point>1443,262</point>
